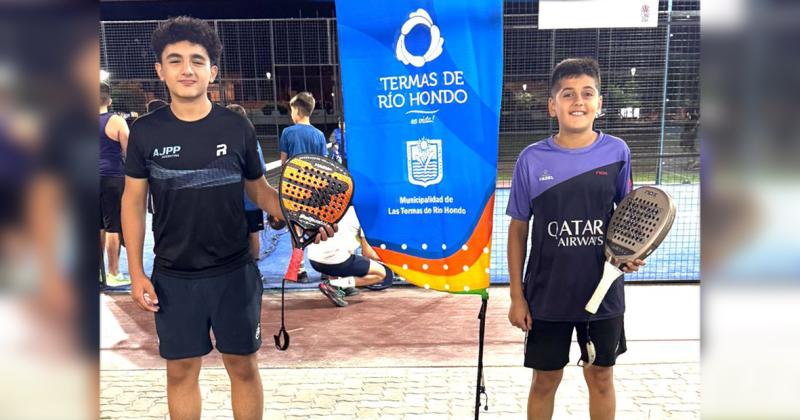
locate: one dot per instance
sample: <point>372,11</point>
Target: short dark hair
<point>105,93</point>
<point>238,109</point>
<point>574,67</point>
<point>155,104</point>
<point>185,28</point>
<point>304,102</point>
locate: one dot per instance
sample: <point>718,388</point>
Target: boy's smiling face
<point>186,69</point>
<point>575,104</point>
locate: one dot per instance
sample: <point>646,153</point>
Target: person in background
<point>302,137</point>
<point>113,145</point>
<point>255,217</point>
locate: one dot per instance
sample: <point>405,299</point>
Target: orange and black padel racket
<point>314,192</point>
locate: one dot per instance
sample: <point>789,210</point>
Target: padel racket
<point>314,192</point>
<point>639,224</point>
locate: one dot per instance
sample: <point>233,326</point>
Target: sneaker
<point>302,277</point>
<point>387,283</point>
<point>117,280</point>
<point>350,291</point>
<point>332,293</point>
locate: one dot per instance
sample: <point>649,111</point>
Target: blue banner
<point>422,83</point>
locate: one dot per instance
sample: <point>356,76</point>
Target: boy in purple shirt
<point>569,184</point>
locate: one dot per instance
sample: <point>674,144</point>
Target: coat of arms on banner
<point>424,158</point>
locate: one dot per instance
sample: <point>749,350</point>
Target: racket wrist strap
<point>282,337</point>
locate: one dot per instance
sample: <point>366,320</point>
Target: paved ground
<point>410,353</point>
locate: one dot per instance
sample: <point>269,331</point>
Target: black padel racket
<point>639,224</point>
<point>314,192</point>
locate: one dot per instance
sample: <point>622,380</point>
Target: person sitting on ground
<point>336,258</point>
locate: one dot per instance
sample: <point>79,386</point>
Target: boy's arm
<point>517,247</point>
<point>264,196</point>
<point>134,202</point>
<point>519,315</point>
<point>117,129</point>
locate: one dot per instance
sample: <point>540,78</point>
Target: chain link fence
<point>650,88</point>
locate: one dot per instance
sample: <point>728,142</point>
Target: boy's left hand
<point>633,267</point>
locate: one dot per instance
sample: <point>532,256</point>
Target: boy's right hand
<point>520,315</point>
<point>143,293</point>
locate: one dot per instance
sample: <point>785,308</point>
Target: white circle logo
<point>420,17</point>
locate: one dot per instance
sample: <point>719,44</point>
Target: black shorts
<point>547,344</point>
<point>230,304</point>
<point>255,220</point>
<point>355,265</point>
<point>111,188</point>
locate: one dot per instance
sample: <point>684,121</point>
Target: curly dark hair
<point>574,67</point>
<point>185,28</point>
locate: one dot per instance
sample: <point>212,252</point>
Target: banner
<point>422,83</point>
<point>582,14</point>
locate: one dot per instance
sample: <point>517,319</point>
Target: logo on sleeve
<point>222,150</point>
<point>545,176</point>
<point>167,152</point>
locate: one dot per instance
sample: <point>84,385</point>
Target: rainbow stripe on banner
<point>422,83</point>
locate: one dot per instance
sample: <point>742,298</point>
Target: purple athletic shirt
<point>570,194</point>
<point>111,163</point>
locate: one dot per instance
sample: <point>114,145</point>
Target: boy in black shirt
<point>197,159</point>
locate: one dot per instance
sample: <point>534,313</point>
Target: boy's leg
<point>235,302</point>
<point>541,398</point>
<point>547,352</point>
<point>183,388</point>
<point>377,272</point>
<point>182,327</point>
<point>110,202</point>
<point>112,251</point>
<point>608,337</point>
<point>247,394</point>
<point>602,398</point>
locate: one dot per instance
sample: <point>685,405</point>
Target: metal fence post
<point>664,100</point>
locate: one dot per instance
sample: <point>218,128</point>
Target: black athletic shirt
<point>195,174</point>
<point>570,194</point>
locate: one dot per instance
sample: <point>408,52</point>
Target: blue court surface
<point>678,257</point>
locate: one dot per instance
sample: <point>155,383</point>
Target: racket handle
<point>294,264</point>
<point>610,274</point>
